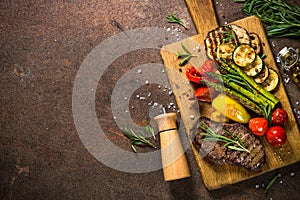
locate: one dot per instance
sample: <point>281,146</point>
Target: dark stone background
<point>43,44</point>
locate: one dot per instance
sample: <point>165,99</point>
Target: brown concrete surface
<point>43,44</point>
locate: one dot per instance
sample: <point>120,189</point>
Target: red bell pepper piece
<point>205,94</point>
<point>193,74</point>
<point>196,76</point>
<point>208,66</point>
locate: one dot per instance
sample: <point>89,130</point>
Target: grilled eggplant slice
<point>241,34</point>
<point>220,35</point>
<point>213,39</point>
<point>255,43</point>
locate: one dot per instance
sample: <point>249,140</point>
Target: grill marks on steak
<point>215,152</point>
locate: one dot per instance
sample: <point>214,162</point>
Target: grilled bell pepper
<point>230,109</point>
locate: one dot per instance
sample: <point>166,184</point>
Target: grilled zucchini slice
<point>261,77</point>
<point>272,81</point>
<point>243,55</point>
<point>255,68</point>
<point>225,51</point>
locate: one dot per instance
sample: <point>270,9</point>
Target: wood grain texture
<point>174,161</point>
<point>217,176</point>
<point>203,14</point>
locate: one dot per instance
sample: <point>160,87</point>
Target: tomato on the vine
<point>276,136</point>
<point>259,126</point>
<point>279,117</point>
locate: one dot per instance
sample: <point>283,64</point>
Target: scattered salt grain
<point>147,82</point>
<point>286,80</point>
<point>139,71</point>
<point>256,186</point>
<point>192,117</point>
<point>292,174</point>
<point>273,44</point>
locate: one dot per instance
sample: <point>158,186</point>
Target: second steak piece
<point>217,153</point>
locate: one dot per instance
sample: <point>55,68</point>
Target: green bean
<point>281,18</point>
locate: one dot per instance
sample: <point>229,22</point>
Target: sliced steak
<point>215,152</point>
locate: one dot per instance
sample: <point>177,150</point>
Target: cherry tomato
<point>259,126</point>
<point>204,93</point>
<point>276,136</point>
<point>279,117</point>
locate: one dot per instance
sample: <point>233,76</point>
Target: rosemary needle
<point>232,142</point>
<point>271,183</point>
<point>174,19</point>
<point>186,56</point>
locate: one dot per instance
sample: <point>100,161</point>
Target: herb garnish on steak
<point>218,152</point>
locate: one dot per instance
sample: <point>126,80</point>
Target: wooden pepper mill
<point>174,162</point>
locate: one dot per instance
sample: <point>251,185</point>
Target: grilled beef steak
<point>215,152</point>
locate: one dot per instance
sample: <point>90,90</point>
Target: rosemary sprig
<point>229,34</point>
<point>271,183</point>
<point>174,19</point>
<point>140,139</point>
<point>231,141</point>
<point>186,56</point>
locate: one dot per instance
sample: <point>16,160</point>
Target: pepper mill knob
<point>174,161</point>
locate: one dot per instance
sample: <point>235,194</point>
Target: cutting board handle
<point>203,14</point>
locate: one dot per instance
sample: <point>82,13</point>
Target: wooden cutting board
<point>218,176</point>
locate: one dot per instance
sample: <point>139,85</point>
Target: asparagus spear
<point>235,70</point>
<point>260,89</point>
<point>236,96</point>
<point>229,81</point>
